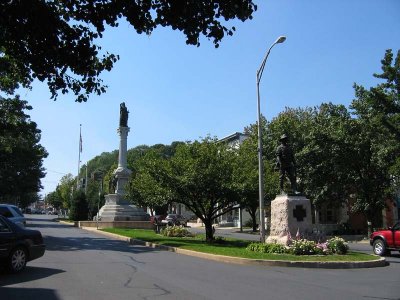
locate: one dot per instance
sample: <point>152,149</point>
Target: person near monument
<point>286,164</point>
<point>123,115</point>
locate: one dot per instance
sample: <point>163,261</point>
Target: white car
<point>13,213</point>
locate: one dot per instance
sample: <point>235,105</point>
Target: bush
<point>266,248</point>
<point>334,245</point>
<point>257,247</point>
<point>79,208</point>
<point>276,248</point>
<point>176,231</point>
<point>304,247</point>
<point>337,245</point>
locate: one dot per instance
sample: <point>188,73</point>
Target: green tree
<point>381,105</point>
<point>79,208</point>
<point>340,159</point>
<point>200,174</point>
<point>325,160</point>
<point>65,189</point>
<point>377,112</point>
<point>246,179</point>
<point>55,41</point>
<point>54,199</point>
<point>144,190</point>
<point>94,196</point>
<point>21,154</point>
<point>371,160</point>
<point>296,124</point>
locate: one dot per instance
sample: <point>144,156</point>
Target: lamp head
<point>280,39</point>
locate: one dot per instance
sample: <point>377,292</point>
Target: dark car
<point>385,240</point>
<point>157,219</point>
<point>18,245</point>
<point>174,219</point>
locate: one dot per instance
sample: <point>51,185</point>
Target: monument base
<point>289,214</point>
<point>117,208</point>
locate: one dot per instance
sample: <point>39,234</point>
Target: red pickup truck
<point>385,240</point>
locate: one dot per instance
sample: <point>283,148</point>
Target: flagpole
<point>79,155</point>
<point>86,178</point>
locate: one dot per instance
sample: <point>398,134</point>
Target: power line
<point>56,172</point>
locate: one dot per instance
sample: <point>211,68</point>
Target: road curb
<point>380,262</point>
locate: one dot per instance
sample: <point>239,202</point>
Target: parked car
<point>385,240</point>
<point>174,219</point>
<point>13,213</point>
<point>19,245</point>
<point>156,219</point>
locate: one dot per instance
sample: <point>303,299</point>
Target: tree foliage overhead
<point>21,155</point>
<point>56,41</point>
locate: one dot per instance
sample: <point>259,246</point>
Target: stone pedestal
<point>117,208</point>
<point>289,214</point>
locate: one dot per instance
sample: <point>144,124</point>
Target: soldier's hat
<point>283,137</point>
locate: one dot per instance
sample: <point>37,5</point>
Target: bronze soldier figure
<point>286,164</point>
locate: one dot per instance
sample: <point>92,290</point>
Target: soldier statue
<point>286,164</point>
<point>123,115</point>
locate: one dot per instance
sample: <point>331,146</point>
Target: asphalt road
<point>82,265</point>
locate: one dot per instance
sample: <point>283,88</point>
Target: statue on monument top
<point>123,115</point>
<point>286,164</point>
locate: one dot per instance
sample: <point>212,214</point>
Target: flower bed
<point>335,245</point>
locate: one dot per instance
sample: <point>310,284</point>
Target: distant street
<point>81,265</point>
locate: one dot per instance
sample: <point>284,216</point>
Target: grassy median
<point>229,247</point>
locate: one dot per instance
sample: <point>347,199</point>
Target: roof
<point>237,136</point>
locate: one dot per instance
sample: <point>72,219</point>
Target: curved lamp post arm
<point>260,71</point>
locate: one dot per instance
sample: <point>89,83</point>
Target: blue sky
<point>176,92</point>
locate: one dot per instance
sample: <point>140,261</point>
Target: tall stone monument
<point>290,212</point>
<point>117,208</point>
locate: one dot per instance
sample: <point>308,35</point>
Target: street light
<point>279,40</point>
<point>98,176</point>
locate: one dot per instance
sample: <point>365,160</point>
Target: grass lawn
<point>229,247</point>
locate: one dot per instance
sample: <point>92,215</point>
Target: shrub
<point>337,245</point>
<point>176,231</point>
<point>275,248</point>
<point>257,247</point>
<point>79,208</point>
<point>266,248</point>
<point>303,247</point>
<point>334,245</point>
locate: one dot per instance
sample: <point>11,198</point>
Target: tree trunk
<point>253,219</point>
<point>209,231</point>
